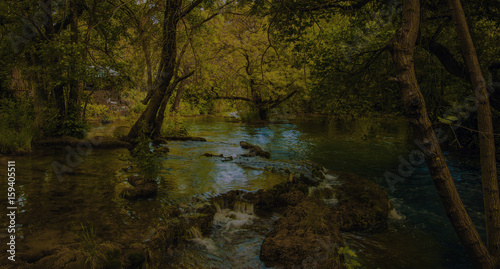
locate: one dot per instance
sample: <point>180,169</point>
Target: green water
<point>420,236</point>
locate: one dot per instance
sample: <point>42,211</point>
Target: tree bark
<point>486,139</point>
<point>402,47</point>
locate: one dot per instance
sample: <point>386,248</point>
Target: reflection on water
<point>422,237</point>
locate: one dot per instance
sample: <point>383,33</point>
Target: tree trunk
<point>263,112</point>
<point>147,58</point>
<point>75,87</point>
<point>156,132</point>
<point>485,126</point>
<point>148,118</point>
<point>402,46</point>
<point>178,98</point>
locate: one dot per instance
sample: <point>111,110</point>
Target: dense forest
<point>143,70</point>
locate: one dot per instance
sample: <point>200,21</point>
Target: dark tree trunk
<point>485,126</point>
<point>149,118</point>
<point>161,113</point>
<point>402,47</point>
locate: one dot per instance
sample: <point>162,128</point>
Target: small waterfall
<point>219,205</point>
<point>243,207</point>
<point>197,237</point>
<point>326,190</point>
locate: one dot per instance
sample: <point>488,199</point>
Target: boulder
<point>363,205</point>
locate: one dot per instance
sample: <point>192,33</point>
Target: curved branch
<point>234,98</point>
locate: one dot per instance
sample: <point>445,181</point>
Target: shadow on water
<point>419,236</point>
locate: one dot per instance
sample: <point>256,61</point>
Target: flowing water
<point>419,235</point>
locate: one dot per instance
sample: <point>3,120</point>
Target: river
<point>419,233</point>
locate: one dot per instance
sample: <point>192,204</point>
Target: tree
<point>244,66</point>
<point>402,47</point>
<point>485,127</point>
<point>168,76</point>
<point>56,44</point>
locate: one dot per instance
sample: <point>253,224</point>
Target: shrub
<point>174,128</point>
<point>17,130</point>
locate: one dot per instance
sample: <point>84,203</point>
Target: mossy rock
<point>306,237</point>
<point>363,205</point>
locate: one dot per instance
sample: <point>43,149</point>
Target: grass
<point>90,246</point>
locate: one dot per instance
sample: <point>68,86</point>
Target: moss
<point>363,205</point>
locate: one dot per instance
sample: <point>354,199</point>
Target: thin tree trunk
<point>485,126</point>
<point>402,47</point>
<point>161,112</point>
<point>75,87</point>
<point>178,98</point>
<point>147,58</point>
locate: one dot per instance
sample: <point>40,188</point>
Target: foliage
<point>73,126</point>
<point>349,255</point>
<point>148,161</point>
<point>175,127</point>
<point>99,111</point>
<point>17,130</point>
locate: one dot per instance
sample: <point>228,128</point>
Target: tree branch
<point>190,8</point>
<point>234,98</point>
<point>446,58</point>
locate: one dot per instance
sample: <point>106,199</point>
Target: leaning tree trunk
<point>156,132</point>
<point>178,98</point>
<point>402,47</point>
<point>485,126</point>
<point>147,122</point>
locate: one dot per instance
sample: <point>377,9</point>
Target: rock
<point>212,155</point>
<point>140,188</point>
<point>363,205</point>
<point>185,138</point>
<point>134,180</point>
<point>254,150</point>
<point>246,145</point>
<point>162,150</point>
<point>224,159</point>
<point>160,140</point>
<point>306,237</point>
